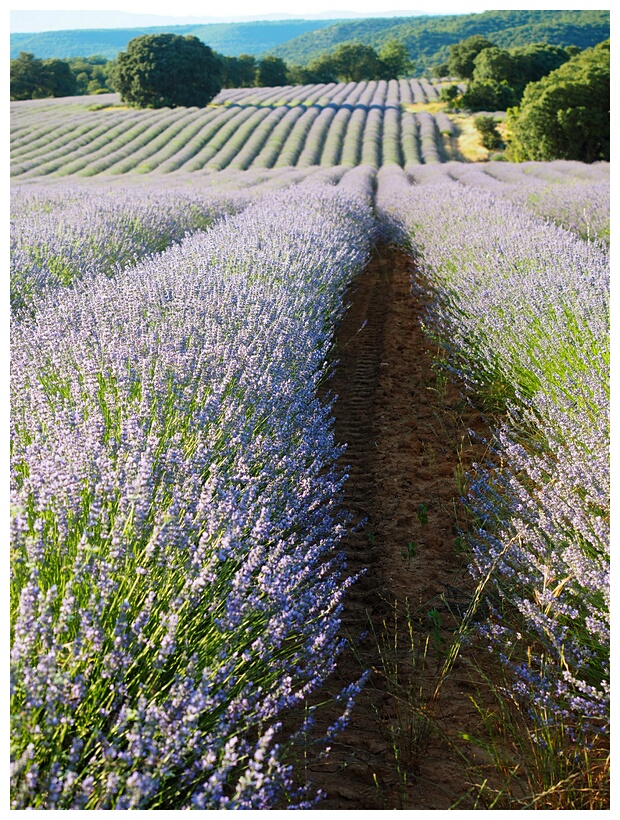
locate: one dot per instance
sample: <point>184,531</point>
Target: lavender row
<point>401,91</point>
<point>522,307</point>
<point>358,123</point>
<point>60,232</point>
<point>574,195</point>
<point>63,232</point>
<point>176,584</point>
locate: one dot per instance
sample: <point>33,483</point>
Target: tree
<point>518,66</point>
<point>320,70</point>
<point>271,71</point>
<point>27,77</point>
<point>159,70</point>
<point>246,68</point>
<point>355,62</point>
<point>488,95</point>
<point>395,59</point>
<point>565,115</point>
<point>91,74</point>
<point>494,64</point>
<point>463,54</point>
<point>440,70</point>
<point>533,62</point>
<point>33,79</point>
<point>238,72</point>
<point>489,135</point>
<point>58,78</point>
<point>450,94</point>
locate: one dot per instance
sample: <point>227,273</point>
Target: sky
<point>240,8</point>
<point>250,7</point>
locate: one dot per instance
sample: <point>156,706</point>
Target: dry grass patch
<point>469,143</point>
<point>432,107</point>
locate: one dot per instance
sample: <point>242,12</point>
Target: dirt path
<point>407,442</point>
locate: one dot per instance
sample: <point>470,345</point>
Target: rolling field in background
<point>367,123</point>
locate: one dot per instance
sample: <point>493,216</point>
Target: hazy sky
<point>247,7</point>
<point>298,7</point>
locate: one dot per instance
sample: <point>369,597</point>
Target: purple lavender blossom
<point>524,305</point>
<point>177,581</point>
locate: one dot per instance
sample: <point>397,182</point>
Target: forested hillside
<point>227,38</point>
<point>428,38</point>
<point>298,41</point>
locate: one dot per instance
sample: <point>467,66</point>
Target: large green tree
<point>238,72</point>
<point>91,73</point>
<point>463,54</point>
<point>395,60</point>
<point>565,115</point>
<point>494,64</point>
<point>488,95</point>
<point>518,66</point>
<point>355,62</point>
<point>533,62</point>
<point>167,70</point>
<point>59,78</point>
<point>270,72</point>
<point>320,70</point>
<point>27,81</point>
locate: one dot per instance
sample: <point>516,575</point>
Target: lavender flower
<point>522,308</point>
<point>177,583</point>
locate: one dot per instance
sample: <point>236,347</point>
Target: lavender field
<point>178,531</point>
<point>372,123</point>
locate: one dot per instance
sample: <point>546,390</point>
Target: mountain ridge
<point>298,41</point>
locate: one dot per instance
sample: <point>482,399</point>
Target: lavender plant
<point>219,139</point>
<point>62,233</point>
<point>210,124</point>
<point>176,585</point>
<point>140,155</point>
<point>522,307</point>
<point>410,140</point>
<point>257,140</point>
<point>417,91</point>
<point>170,144</point>
<point>91,152</point>
<point>315,140</point>
<point>372,138</point>
<point>429,137</point>
<point>564,192</point>
<point>429,89</point>
<point>117,141</point>
<point>352,140</point>
<point>237,142</point>
<point>360,181</point>
<point>391,142</point>
<point>270,151</point>
<point>145,142</point>
<point>292,148</point>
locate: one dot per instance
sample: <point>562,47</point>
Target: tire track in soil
<point>406,442</point>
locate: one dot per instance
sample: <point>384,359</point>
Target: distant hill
<point>428,38</point>
<point>297,41</point>
<point>231,39</point>
<point>23,20</point>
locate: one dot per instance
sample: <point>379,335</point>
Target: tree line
<point>428,39</point>
<point>557,99</point>
<point>33,78</point>
<point>497,77</point>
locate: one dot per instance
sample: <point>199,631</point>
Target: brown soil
<point>406,431</point>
